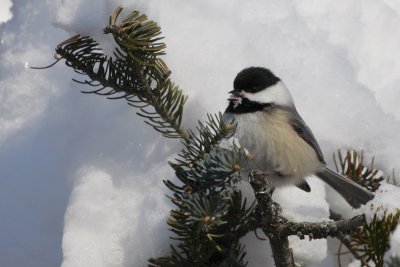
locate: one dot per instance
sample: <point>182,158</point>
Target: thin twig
<point>277,228</point>
<point>345,240</point>
<point>321,229</point>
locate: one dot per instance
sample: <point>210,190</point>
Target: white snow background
<point>81,176</point>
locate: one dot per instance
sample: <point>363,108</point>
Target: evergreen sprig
<point>203,164</point>
<point>206,137</point>
<point>373,240</point>
<point>135,73</point>
<point>211,215</point>
<point>137,36</point>
<point>370,242</point>
<point>352,166</point>
<point>209,226</point>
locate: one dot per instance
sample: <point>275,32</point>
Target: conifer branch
<point>270,214</point>
<point>352,166</point>
<point>211,215</point>
<point>277,228</point>
<point>369,243</point>
<point>321,229</point>
<point>373,240</point>
<point>136,73</point>
<point>203,164</point>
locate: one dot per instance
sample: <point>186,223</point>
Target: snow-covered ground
<point>81,175</point>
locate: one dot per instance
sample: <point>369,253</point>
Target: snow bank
<point>111,223</point>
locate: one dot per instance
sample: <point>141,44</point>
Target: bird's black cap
<point>254,79</point>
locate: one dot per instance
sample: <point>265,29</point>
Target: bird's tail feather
<point>353,193</point>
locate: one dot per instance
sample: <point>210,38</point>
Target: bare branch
<point>277,228</point>
<point>270,213</point>
<point>320,229</point>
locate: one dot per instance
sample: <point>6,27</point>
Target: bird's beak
<point>235,95</point>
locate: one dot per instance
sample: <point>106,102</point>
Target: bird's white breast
<point>275,144</point>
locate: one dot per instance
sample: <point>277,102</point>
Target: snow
<point>81,175</point>
<point>387,198</point>
<point>305,207</point>
<point>394,244</point>
<point>365,32</point>
<point>5,11</point>
<point>108,224</point>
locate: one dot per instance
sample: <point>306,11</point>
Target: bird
<point>284,148</point>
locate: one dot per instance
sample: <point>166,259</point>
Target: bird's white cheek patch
<point>277,94</point>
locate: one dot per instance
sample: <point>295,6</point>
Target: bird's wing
<point>304,132</point>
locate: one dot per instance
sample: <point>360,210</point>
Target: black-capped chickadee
<point>283,146</point>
